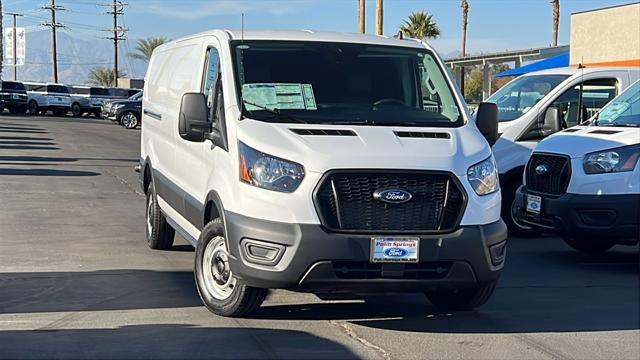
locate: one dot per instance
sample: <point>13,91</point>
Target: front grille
<point>345,203</point>
<point>555,180</point>
<point>363,270</point>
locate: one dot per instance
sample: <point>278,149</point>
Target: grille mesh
<point>555,181</point>
<point>345,202</point>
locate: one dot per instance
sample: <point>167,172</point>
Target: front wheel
<point>588,246</point>
<point>509,211</point>
<point>76,110</point>
<point>461,299</point>
<point>33,108</point>
<point>129,120</point>
<point>219,290</point>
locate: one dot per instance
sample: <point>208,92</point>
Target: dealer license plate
<point>534,203</point>
<point>394,249</point>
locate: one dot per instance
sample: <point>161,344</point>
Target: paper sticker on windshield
<point>278,96</point>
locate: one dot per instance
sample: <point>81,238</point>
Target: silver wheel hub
<point>129,120</point>
<point>218,279</point>
<point>150,217</point>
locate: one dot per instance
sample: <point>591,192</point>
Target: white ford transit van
<point>577,93</point>
<point>319,162</point>
<point>584,182</point>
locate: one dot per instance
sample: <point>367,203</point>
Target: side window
<point>582,101</point>
<point>211,77</point>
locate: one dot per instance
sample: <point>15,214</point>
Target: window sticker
<point>279,96</point>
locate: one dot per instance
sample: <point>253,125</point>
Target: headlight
<point>483,177</point>
<point>269,172</point>
<point>614,160</point>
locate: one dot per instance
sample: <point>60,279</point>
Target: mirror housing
<point>487,121</point>
<point>552,122</point>
<point>193,124</point>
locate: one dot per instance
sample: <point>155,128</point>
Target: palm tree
<point>144,47</point>
<point>555,4</point>
<point>465,21</point>
<point>102,76</point>
<point>420,25</point>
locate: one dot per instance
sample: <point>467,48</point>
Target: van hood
<point>580,140</point>
<point>320,148</point>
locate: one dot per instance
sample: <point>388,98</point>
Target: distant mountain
<point>76,56</point>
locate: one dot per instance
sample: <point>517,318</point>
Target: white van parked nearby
<point>578,93</point>
<point>319,162</point>
<point>584,182</point>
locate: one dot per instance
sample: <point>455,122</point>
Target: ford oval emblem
<point>542,169</point>
<point>392,196</point>
<point>396,252</point>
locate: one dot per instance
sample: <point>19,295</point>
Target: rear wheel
<point>129,120</point>
<point>76,110</point>
<point>509,211</point>
<point>461,299</point>
<point>159,233</point>
<point>219,290</point>
<point>589,246</point>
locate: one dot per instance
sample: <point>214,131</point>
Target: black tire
<point>129,120</point>
<point>59,112</point>
<point>461,299</point>
<point>588,246</point>
<point>33,108</point>
<point>159,233</point>
<point>241,299</point>
<point>76,110</point>
<point>508,212</point>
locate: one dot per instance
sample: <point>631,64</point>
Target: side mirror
<point>193,124</point>
<point>487,121</point>
<point>552,122</point>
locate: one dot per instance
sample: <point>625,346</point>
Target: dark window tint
<point>57,89</point>
<point>595,94</point>
<point>10,85</point>
<point>99,92</point>
<point>119,93</point>
<point>80,91</point>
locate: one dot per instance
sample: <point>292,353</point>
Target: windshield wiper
<point>275,111</point>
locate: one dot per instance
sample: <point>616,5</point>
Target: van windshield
<point>520,95</point>
<point>342,83</point>
<point>623,110</point>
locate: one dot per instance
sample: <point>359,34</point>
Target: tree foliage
<point>145,47</point>
<point>420,25</point>
<point>102,76</point>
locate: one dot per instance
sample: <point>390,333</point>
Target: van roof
<point>575,70</point>
<point>309,35</point>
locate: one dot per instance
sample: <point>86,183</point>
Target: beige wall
<point>607,37</point>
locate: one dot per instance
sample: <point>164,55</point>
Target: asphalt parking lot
<point>77,279</point>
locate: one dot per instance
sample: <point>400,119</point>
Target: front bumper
<point>591,217</point>
<point>305,257</point>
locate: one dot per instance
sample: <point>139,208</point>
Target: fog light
<point>498,253</point>
<point>260,252</point>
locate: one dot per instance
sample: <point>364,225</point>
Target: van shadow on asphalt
<point>168,341</point>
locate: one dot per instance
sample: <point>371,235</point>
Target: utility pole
<point>379,16</point>
<point>118,34</point>
<point>54,47</point>
<point>15,45</point>
<point>361,16</point>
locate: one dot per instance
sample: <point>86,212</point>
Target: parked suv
<point>308,161</point>
<point>577,93</point>
<point>45,97</point>
<point>89,100</point>
<point>13,97</point>
<point>584,182</point>
<point>124,112</point>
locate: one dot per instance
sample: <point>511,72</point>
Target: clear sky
<point>494,25</point>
